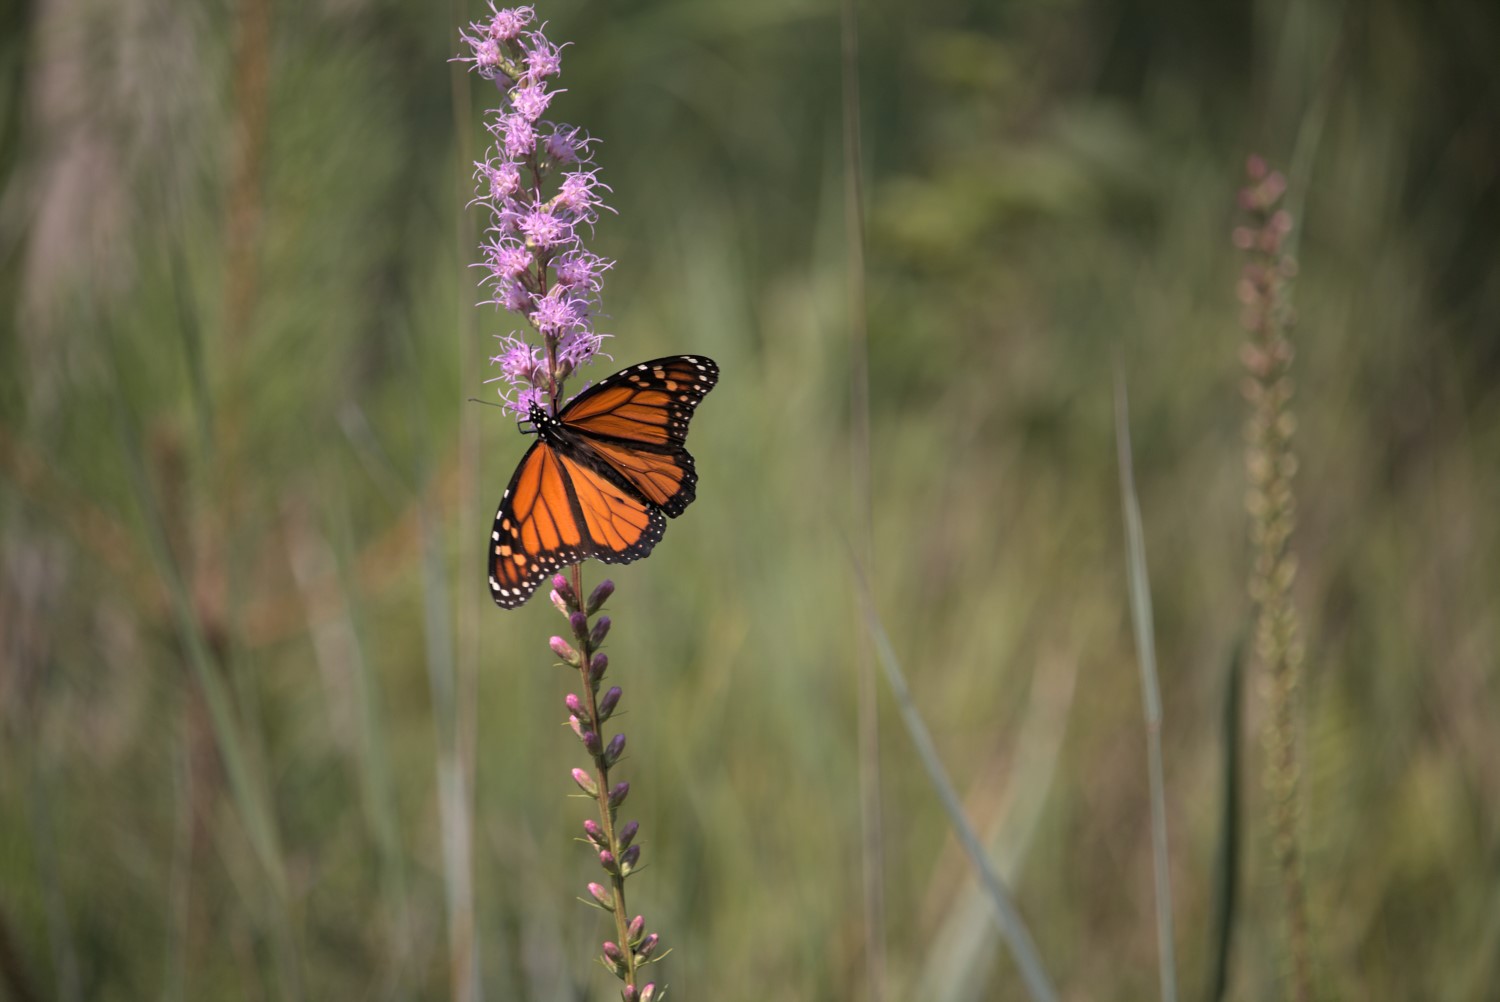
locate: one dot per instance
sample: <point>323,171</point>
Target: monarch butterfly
<point>602,476</point>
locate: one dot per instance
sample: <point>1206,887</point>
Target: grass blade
<point>1145,645</point>
<point>1007,917</point>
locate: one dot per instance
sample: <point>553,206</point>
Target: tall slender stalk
<point>872,845</point>
<point>1145,645</point>
<point>1271,464</point>
<point>632,948</point>
<point>1007,916</point>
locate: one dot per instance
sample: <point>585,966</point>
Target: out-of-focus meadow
<point>246,646</point>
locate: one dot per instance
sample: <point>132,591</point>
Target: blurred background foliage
<point>243,626</point>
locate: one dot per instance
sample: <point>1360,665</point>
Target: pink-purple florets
<point>543,194</point>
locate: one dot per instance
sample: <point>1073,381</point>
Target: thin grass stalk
<point>1007,916</point>
<point>180,876</point>
<point>1227,855</point>
<point>453,799</point>
<point>962,952</point>
<point>1139,584</point>
<point>469,600</point>
<point>375,771</point>
<point>452,780</point>
<point>341,639</point>
<point>867,707</point>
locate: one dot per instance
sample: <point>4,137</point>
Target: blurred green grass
<point>1050,185</point>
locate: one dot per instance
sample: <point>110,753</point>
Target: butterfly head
<point>543,423</point>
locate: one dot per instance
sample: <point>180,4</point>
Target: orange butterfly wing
<point>604,484</point>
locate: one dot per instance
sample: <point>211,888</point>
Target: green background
<point>243,504</point>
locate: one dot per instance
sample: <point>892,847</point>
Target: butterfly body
<point>602,477</point>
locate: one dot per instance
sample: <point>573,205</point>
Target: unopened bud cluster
<point>619,855</point>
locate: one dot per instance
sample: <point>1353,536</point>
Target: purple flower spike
<point>544,195</point>
<point>608,703</point>
<point>627,833</point>
<point>618,793</point>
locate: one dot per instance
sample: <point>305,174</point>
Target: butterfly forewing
<point>535,530</point>
<point>646,405</point>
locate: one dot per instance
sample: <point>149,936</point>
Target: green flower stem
<point>601,779</point>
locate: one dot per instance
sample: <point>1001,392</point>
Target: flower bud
<point>595,833</point>
<point>576,724</point>
<point>648,994</point>
<point>600,595</point>
<point>607,860</point>
<point>617,793</point>
<point>561,649</point>
<point>612,752</point>
<point>627,833</point>
<point>564,590</point>
<point>613,956</point>
<point>601,894</point>
<point>597,666</point>
<point>592,743</point>
<point>629,994</point>
<point>601,630</point>
<point>574,704</point>
<point>636,929</point>
<point>647,946</point>
<point>608,703</point>
<point>558,602</point>
<point>580,624</point>
<point>629,858</point>
<point>586,782</point>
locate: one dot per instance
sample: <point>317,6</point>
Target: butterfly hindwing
<point>618,526</point>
